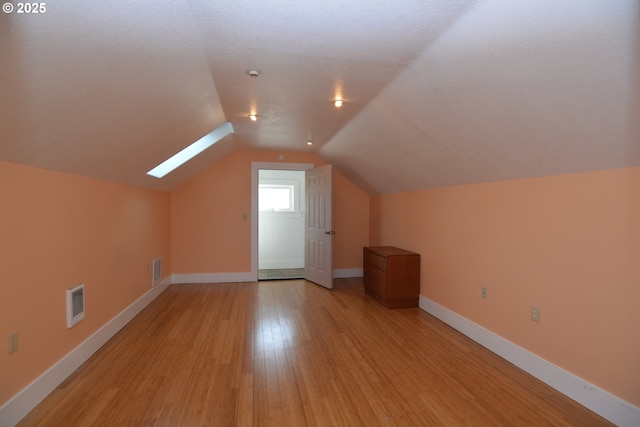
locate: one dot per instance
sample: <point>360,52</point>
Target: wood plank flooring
<point>292,353</point>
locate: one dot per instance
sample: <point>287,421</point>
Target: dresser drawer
<point>375,260</point>
<point>375,281</point>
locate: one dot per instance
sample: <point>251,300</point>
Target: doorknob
<point>330,232</point>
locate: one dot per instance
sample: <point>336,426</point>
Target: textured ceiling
<point>437,92</point>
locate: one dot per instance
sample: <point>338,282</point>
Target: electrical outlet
<point>13,342</point>
<point>484,292</point>
<point>535,314</point>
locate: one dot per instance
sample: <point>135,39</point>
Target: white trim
<point>592,397</point>
<point>342,273</point>
<point>178,279</point>
<point>213,278</point>
<point>29,397</point>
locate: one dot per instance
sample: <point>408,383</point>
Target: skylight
<point>191,151</point>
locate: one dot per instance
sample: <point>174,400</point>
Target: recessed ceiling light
<point>253,117</point>
<point>338,102</point>
<point>309,142</point>
<point>253,73</point>
<point>191,151</point>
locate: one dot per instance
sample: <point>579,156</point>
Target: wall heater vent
<point>75,305</point>
<point>157,270</point>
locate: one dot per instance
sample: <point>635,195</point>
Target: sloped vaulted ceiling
<point>511,90</point>
<point>437,92</point>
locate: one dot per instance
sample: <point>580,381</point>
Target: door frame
<point>255,167</point>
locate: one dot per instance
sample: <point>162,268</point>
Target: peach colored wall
<point>58,230</point>
<point>350,221</point>
<point>569,244</point>
<point>209,233</point>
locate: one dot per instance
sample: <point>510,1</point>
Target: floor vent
<point>157,270</point>
<point>75,305</point>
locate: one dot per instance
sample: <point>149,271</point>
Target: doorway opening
<point>281,224</point>
<point>317,217</point>
<point>256,167</point>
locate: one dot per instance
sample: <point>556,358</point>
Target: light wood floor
<point>292,353</point>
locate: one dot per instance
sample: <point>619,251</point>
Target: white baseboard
<point>342,273</point>
<point>213,278</point>
<point>592,397</point>
<point>245,277</point>
<point>27,399</point>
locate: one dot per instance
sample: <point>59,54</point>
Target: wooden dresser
<point>392,276</point>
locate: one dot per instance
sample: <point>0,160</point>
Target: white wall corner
<point>29,397</point>
<point>592,397</point>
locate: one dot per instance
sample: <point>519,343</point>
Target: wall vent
<point>157,270</point>
<point>75,305</point>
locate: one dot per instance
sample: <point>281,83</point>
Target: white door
<point>319,232</point>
